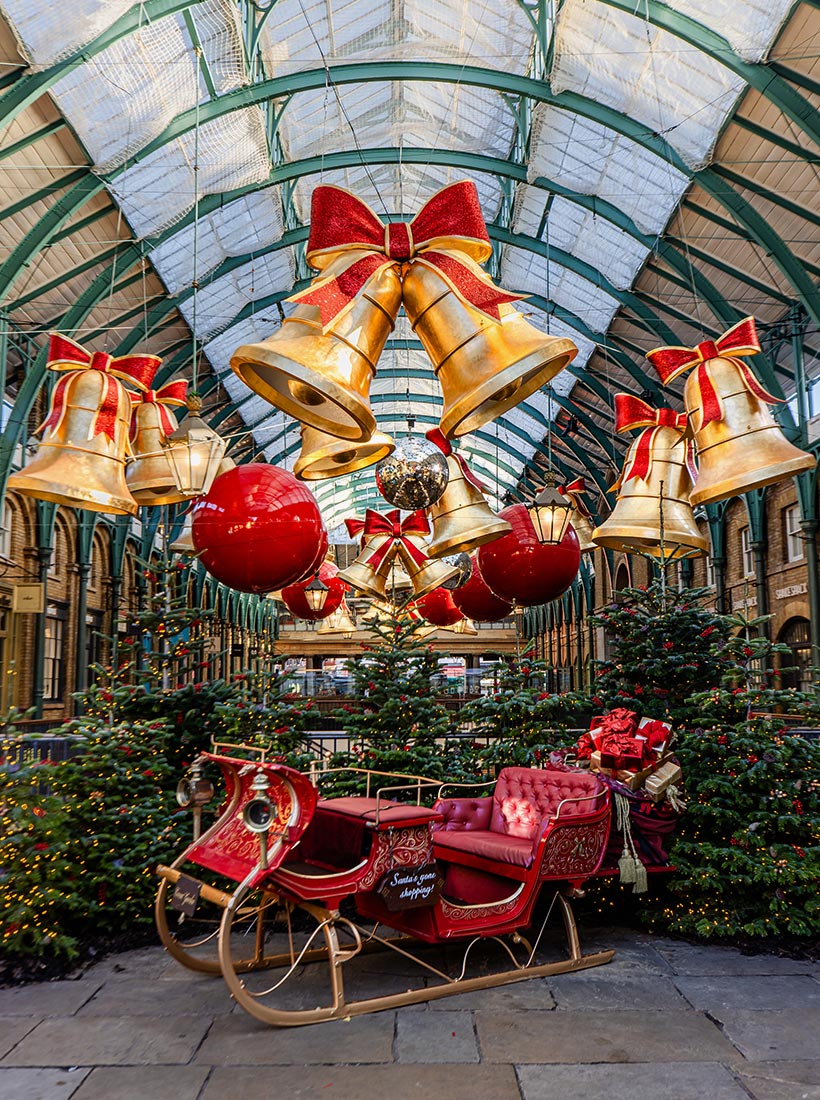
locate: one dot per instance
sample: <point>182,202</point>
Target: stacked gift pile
<point>633,750</point>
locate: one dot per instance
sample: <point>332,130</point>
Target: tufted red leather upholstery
<point>519,790</point>
<point>494,846</point>
<point>505,828</point>
<point>465,814</point>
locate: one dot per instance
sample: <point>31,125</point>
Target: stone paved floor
<point>664,1020</point>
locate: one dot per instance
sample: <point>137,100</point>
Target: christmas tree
<point>521,720</point>
<point>747,851</point>
<point>665,646</point>
<point>394,721</point>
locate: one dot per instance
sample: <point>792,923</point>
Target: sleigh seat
<point>506,833</point>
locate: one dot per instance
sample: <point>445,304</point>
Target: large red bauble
<point>438,608</point>
<point>475,600</point>
<point>521,569</point>
<point>257,529</point>
<point>294,599</point>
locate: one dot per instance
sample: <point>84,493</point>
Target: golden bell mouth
<point>304,394</point>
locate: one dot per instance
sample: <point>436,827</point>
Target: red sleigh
<point>285,878</point>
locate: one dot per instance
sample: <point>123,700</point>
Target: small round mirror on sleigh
<point>316,908</point>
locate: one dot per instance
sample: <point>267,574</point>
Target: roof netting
<point>622,155</point>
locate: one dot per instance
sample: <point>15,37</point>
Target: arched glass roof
<point>648,175</point>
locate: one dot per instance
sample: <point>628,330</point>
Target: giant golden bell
<point>743,450</point>
<point>462,519</point>
<point>75,466</point>
<point>635,523</point>
<point>323,378</point>
<point>484,366</point>
<point>427,574</point>
<point>149,475</point>
<point>362,576</point>
<point>324,456</point>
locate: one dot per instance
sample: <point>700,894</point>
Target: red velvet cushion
<point>394,812</point>
<point>544,790</point>
<point>489,845</point>
<point>464,813</point>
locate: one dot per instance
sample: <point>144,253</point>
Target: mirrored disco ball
<point>414,476</point>
<point>463,565</point>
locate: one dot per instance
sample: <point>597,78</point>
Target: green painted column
<point>761,585</point>
<point>719,565</point>
<point>80,667</point>
<point>809,529</point>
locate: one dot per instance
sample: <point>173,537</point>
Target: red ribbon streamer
<point>389,529</point>
<point>451,221</point>
<point>435,435</point>
<point>741,339</point>
<point>632,412</point>
<point>172,393</point>
<point>64,354</point>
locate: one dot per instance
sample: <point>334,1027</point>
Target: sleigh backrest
<point>526,797</point>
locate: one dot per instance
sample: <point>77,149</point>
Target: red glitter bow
<point>572,490</point>
<point>448,235</point>
<point>631,412</point>
<point>391,530</point>
<point>65,354</point>
<point>435,435</point>
<point>740,339</point>
<point>354,526</point>
<point>172,393</point>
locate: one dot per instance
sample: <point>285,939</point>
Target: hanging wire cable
<point>194,282</point>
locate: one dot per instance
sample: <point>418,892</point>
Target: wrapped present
<point>666,775</point>
<point>617,721</point>
<point>656,736</point>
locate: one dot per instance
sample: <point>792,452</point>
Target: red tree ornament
<point>519,568</point>
<point>476,601</point>
<point>294,599</point>
<point>438,608</point>
<point>258,529</point>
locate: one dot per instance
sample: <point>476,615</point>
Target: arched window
<point>795,634</point>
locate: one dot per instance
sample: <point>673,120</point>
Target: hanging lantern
<point>149,474</point>
<point>550,514</point>
<point>476,601</point>
<point>195,451</point>
<point>462,519</point>
<point>317,598</point>
<point>184,542</point>
<point>652,514</point>
<point>413,476</point>
<point>580,515</point>
<point>324,456</point>
<point>521,568</point>
<point>258,529</point>
<point>81,459</point>
<point>438,608</point>
<point>739,444</point>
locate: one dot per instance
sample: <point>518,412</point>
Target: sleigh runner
<point>304,879</point>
